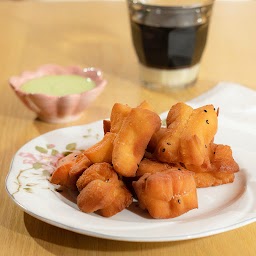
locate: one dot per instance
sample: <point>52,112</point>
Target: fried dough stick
<point>102,151</point>
<point>132,140</point>
<point>147,166</point>
<point>221,172</point>
<point>188,135</point>
<point>106,126</point>
<point>120,112</point>
<point>121,199</point>
<point>118,115</point>
<point>197,136</point>
<point>98,171</point>
<point>168,147</point>
<point>69,168</point>
<point>151,166</point>
<point>167,194</point>
<point>100,190</point>
<point>155,139</point>
<point>223,167</point>
<point>189,141</point>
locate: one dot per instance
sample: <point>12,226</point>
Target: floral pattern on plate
<point>220,209</point>
<point>41,163</point>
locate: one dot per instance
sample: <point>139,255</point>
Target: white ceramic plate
<point>220,209</point>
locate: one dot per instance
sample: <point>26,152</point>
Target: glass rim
<point>195,5</point>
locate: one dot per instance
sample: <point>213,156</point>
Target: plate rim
<point>114,237</point>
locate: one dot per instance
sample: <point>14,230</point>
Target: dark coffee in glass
<point>169,40</point>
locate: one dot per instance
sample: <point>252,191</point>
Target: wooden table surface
<point>97,34</point>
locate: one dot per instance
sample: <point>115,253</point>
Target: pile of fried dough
<point>138,159</point>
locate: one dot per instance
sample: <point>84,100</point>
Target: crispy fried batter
<point>178,115</point>
<point>146,105</point>
<point>188,135</point>
<point>167,194</point>
<point>168,148</point>
<point>156,137</point>
<point>82,162</point>
<point>223,160</point>
<point>151,166</point>
<point>118,115</point>
<point>223,167</point>
<point>132,139</point>
<point>69,168</point>
<point>122,198</point>
<point>101,190</point>
<point>159,166</point>
<point>198,134</point>
<point>188,140</point>
<point>95,196</point>
<point>99,171</point>
<point>102,151</point>
<point>106,126</point>
<point>208,179</point>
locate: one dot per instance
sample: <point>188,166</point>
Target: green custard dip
<point>58,85</point>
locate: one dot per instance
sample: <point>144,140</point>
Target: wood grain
<point>97,34</point>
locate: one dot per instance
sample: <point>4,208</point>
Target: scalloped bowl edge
<point>58,109</point>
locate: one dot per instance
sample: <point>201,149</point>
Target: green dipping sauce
<point>58,85</point>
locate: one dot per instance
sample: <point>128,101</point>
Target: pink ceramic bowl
<point>58,109</point>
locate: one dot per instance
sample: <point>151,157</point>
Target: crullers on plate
<point>189,141</point>
<point>137,159</point>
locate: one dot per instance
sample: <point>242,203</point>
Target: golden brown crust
<point>118,115</point>
<point>151,166</point>
<point>102,151</point>
<point>82,162</point>
<point>98,171</point>
<point>69,168</point>
<point>156,137</point>
<point>122,198</point>
<point>167,194</point>
<point>100,190</point>
<point>178,115</point>
<point>223,160</point>
<point>208,179</point>
<point>198,134</point>
<point>132,139</point>
<point>161,166</point>
<point>168,148</point>
<point>146,105</point>
<point>189,141</point>
<point>95,196</point>
<point>106,126</point>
